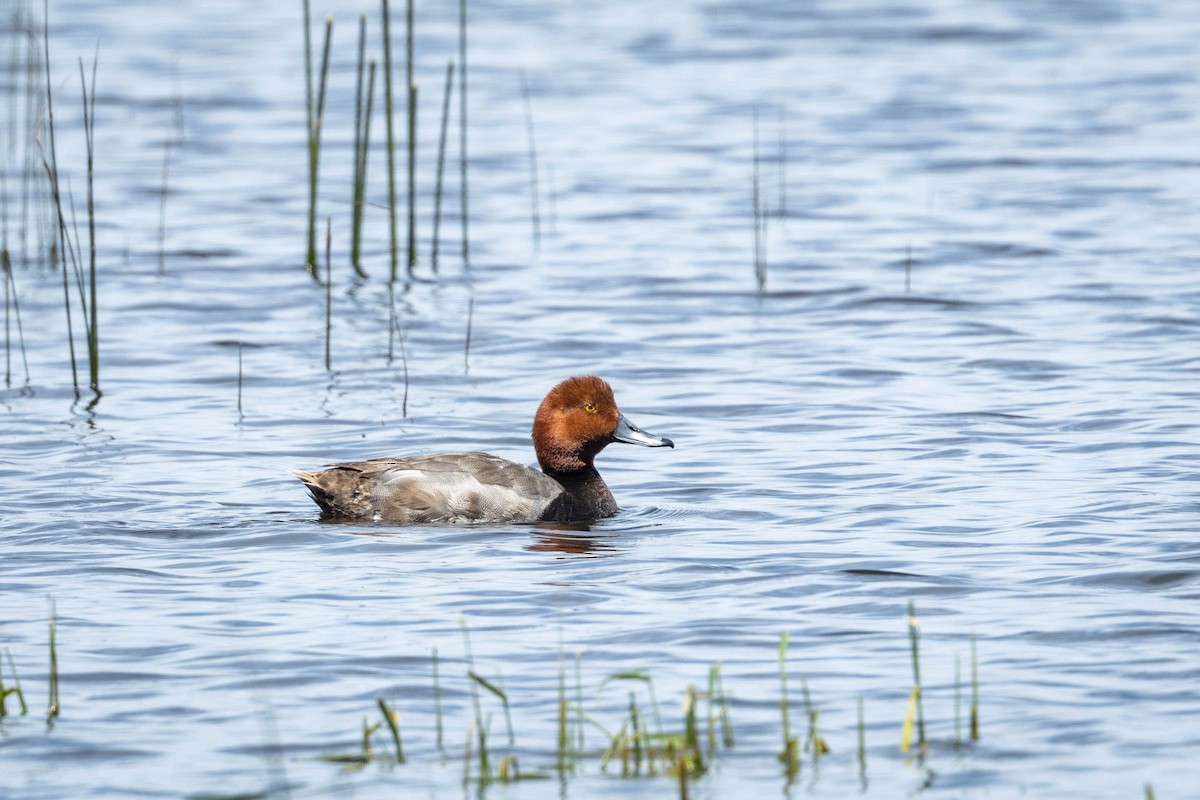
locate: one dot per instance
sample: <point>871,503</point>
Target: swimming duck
<point>576,420</point>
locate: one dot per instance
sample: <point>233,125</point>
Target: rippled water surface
<point>970,383</point>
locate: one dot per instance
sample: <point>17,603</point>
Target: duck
<point>577,419</point>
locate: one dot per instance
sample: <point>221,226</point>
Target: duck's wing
<point>445,487</point>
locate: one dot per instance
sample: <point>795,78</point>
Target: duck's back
<point>445,487</point>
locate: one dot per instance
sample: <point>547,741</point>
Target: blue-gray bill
<point>631,434</point>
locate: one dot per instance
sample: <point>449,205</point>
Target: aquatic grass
<point>815,744</point>
<point>914,702</point>
<point>362,146</point>
<point>783,160</point>
<point>412,139</point>
<point>974,692</point>
<point>467,344</point>
<point>462,131</point>
<point>53,708</point>
<point>360,759</point>
<point>643,677</point>
<point>862,745</point>
<point>441,166</point>
<point>391,717</point>
<point>758,216</point>
<point>908,263</point>
<point>15,690</point>
<point>328,294</point>
<point>50,164</point>
<point>239,381</point>
<point>534,215</point>
<point>563,743</point>
<point>12,309</point>
<point>315,115</point>
<point>957,702</point>
<point>391,141</point>
<point>479,727</point>
<point>790,754</point>
<point>499,692</point>
<point>162,206</point>
<point>718,710</point>
<point>91,317</point>
<point>437,699</point>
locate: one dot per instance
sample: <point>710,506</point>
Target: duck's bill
<point>629,433</point>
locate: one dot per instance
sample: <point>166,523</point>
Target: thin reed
<point>391,141</point>
<point>12,313</point>
<point>462,130</point>
<point>328,294</point>
<point>790,754</point>
<point>441,166</point>
<point>437,699</point>
<point>534,214</point>
<point>53,708</point>
<point>914,702</point>
<point>758,216</point>
<point>391,718</point>
<point>362,146</point>
<point>412,139</point>
<point>91,317</point>
<point>14,690</point>
<point>316,113</point>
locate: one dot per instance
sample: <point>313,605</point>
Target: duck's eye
<point>590,408</point>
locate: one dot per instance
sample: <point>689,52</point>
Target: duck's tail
<point>320,495</point>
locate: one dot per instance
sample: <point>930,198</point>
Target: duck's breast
<point>455,487</point>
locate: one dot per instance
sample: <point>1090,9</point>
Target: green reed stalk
<point>561,750</point>
<point>974,693</point>
<point>467,345</point>
<point>362,123</point>
<point>15,690</point>
<point>957,702</point>
<point>783,159</point>
<point>412,139</point>
<point>534,214</point>
<point>1148,791</point>
<point>437,699</point>
<point>441,165</point>
<point>91,317</point>
<point>10,293</point>
<point>462,128</point>
<point>816,744</point>
<point>391,138</point>
<point>50,163</point>
<point>328,293</point>
<point>790,754</point>
<point>908,262</point>
<point>862,744</point>
<point>53,707</point>
<point>390,716</point>
<point>644,677</point>
<point>481,731</point>
<point>239,383</point>
<point>162,207</point>
<point>579,714</point>
<point>499,692</point>
<point>314,147</point>
<point>913,637</point>
<point>759,218</point>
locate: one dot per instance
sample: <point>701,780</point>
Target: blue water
<point>970,382</point>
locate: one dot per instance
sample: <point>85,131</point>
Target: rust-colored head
<point>578,418</point>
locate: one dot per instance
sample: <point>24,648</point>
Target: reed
<point>480,728</point>
<point>441,166</point>
<point>915,697</point>
<point>53,708</point>
<point>328,294</point>
<point>362,140</point>
<point>239,381</point>
<point>500,693</point>
<point>816,745</point>
<point>50,164</point>
<point>91,317</point>
<point>462,130</point>
<point>12,303</point>
<point>412,139</point>
<point>790,754</point>
<point>391,717</point>
<point>759,217</point>
<point>862,744</point>
<point>162,206</point>
<point>642,677</point>
<point>957,702</point>
<point>908,263</point>
<point>974,692</point>
<point>315,116</point>
<point>467,344</point>
<point>553,200</point>
<point>783,160</point>
<point>14,690</point>
<point>437,700</point>
<point>391,140</point>
<point>1148,791</point>
<point>534,215</point>
<point>563,743</point>
<point>718,710</point>
<point>395,333</point>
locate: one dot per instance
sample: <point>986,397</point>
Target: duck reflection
<point>572,538</point>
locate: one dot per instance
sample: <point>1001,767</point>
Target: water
<point>1004,435</point>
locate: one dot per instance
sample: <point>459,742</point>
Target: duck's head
<point>578,418</point>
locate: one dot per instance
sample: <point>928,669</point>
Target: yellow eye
<point>590,408</point>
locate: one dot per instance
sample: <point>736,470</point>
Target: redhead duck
<point>578,419</point>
